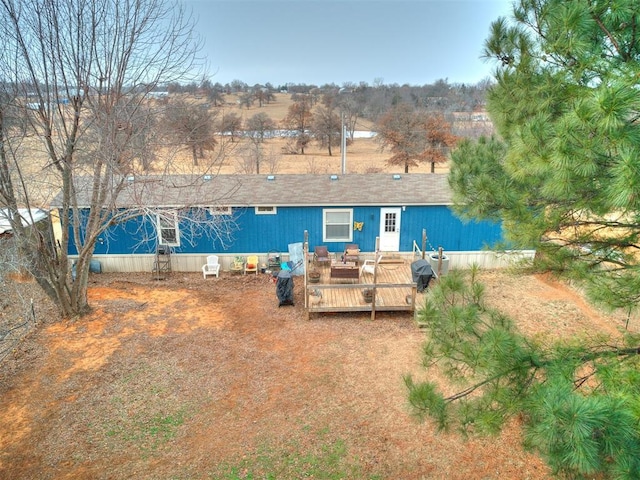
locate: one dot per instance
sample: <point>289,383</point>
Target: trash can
<point>95,266</point>
<point>444,267</point>
<point>284,288</point>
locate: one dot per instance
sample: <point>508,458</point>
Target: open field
<point>363,155</point>
<point>195,379</point>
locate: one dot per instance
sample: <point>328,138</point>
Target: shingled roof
<point>277,190</point>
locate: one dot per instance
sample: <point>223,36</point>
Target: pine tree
<point>563,175</point>
<point>579,402</point>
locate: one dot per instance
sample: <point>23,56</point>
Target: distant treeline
<point>371,100</point>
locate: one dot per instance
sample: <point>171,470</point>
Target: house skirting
<point>188,262</point>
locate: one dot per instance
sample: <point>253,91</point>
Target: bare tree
<point>414,137</point>
<point>349,107</point>
<point>343,100</point>
<point>75,83</point>
<point>230,124</point>
<point>271,160</point>
<point>20,305</point>
<point>259,125</point>
<point>326,127</point>
<point>192,125</point>
<point>315,168</point>
<point>214,93</point>
<point>299,119</point>
<point>254,157</point>
<point>145,139</point>
<point>269,95</point>
<point>238,86</point>
<point>246,99</point>
<point>260,94</point>
<point>440,139</point>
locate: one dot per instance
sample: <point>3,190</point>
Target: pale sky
<point>336,41</point>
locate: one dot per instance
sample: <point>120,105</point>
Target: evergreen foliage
<point>578,401</point>
<point>563,175</point>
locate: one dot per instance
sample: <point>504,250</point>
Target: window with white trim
<point>336,225</point>
<point>266,210</point>
<point>168,231</point>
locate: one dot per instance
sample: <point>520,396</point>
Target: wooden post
<point>413,298</point>
<point>305,256</point>
<point>424,242</point>
<point>375,279</point>
<point>439,261</point>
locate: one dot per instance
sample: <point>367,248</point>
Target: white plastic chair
<point>212,267</point>
<point>369,266</point>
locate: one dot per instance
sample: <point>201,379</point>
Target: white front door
<point>390,229</point>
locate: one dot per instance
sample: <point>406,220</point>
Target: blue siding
<point>446,230</point>
<point>261,233</point>
<point>133,236</point>
<point>274,232</point>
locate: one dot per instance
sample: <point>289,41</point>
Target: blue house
<point>233,215</point>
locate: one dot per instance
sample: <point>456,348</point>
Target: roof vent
<point>271,178</point>
<point>206,178</point>
<point>396,176</point>
<point>334,177</point>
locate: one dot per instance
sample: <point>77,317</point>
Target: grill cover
<point>421,273</point>
<point>284,288</point>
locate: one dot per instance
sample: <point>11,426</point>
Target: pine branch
<point>611,38</point>
<point>535,366</point>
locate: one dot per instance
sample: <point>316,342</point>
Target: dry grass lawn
<point>194,379</point>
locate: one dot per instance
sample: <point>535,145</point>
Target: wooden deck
<point>394,290</point>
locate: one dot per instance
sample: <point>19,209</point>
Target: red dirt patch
<point>173,379</point>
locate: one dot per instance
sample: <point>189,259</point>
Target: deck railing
<point>350,297</point>
<point>417,251</point>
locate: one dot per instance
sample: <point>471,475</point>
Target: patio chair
<point>352,253</point>
<point>321,255</point>
<point>252,264</point>
<point>369,266</point>
<point>212,267</point>
<point>237,265</point>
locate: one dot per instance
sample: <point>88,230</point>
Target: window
<point>390,222</point>
<point>266,210</point>
<point>220,210</point>
<point>168,232</point>
<point>336,225</point>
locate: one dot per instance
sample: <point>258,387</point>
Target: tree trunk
<point>69,295</point>
<point>194,153</point>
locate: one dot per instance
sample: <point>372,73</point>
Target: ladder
<point>162,262</point>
